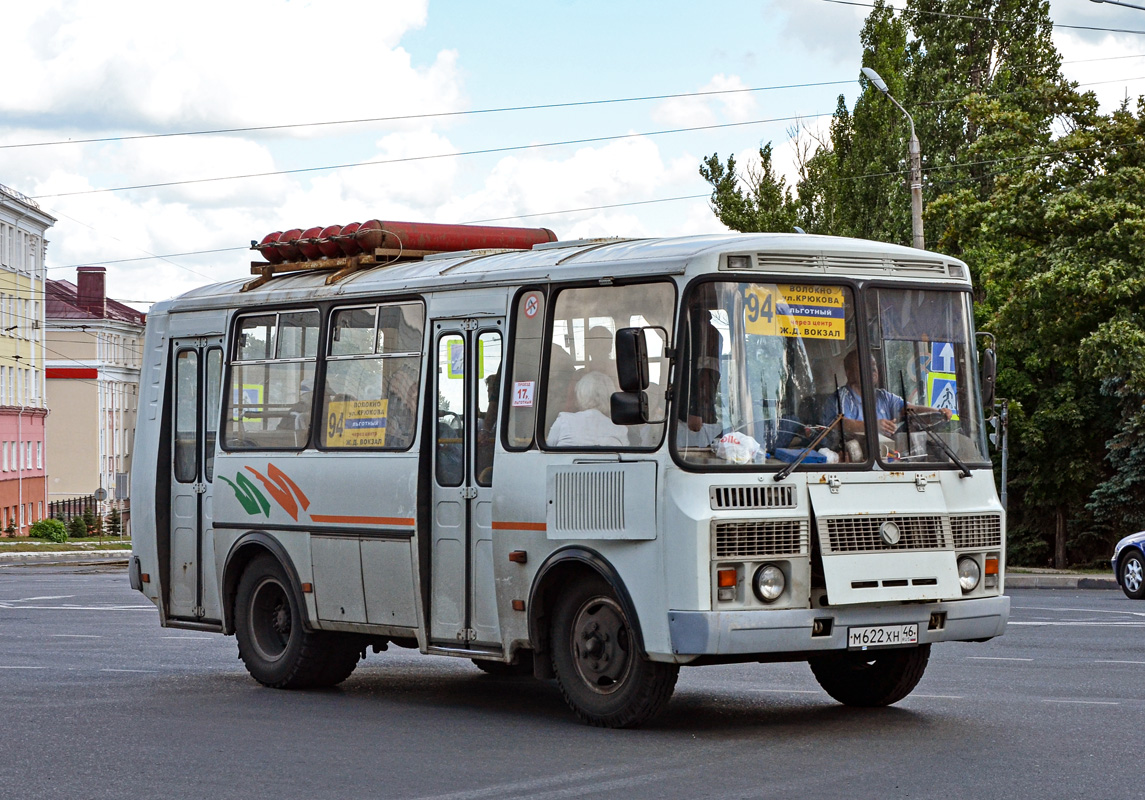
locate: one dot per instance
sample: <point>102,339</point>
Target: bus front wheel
<point>273,644</point>
<point>871,678</point>
<point>600,672</point>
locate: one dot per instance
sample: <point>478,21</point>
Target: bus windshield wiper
<point>783,473</point>
<point>934,437</point>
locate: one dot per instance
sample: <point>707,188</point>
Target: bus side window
<point>373,371</point>
<point>272,381</point>
<point>524,374</point>
<point>581,376</point>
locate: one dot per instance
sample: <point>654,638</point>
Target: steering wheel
<point>922,421</point>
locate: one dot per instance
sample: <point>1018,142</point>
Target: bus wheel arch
<point>249,547</point>
<point>561,569</point>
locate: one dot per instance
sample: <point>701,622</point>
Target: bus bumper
<point>791,631</point>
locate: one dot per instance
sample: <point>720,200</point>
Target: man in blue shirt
<point>888,405</point>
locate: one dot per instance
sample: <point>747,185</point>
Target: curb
<point>1061,582</point>
<point>70,557</point>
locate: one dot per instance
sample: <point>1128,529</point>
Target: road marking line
<point>1081,610</point>
<point>45,597</point>
<point>76,636</point>
<point>23,667</point>
<point>1080,623</point>
<point>1119,662</point>
<point>1085,702</point>
<point>997,658</point>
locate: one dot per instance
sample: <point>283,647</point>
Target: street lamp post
<point>915,163</point>
<point>1119,3</point>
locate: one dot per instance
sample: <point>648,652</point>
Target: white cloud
<point>702,109</point>
<point>94,64</point>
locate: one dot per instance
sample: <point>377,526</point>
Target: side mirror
<point>629,408</point>
<point>631,363</point>
<point>989,368</point>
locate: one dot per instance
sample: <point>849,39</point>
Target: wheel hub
<point>1133,575</point>
<point>601,644</point>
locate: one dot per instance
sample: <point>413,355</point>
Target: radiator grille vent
<point>771,537</point>
<point>976,532</point>
<point>787,261</point>
<point>589,501</point>
<point>752,497</point>
<point>861,534</point>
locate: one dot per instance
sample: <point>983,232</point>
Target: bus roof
<point>797,254</point>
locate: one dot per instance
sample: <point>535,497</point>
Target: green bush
<point>77,528</point>
<point>50,529</point>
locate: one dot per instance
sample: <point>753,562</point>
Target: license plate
<point>882,636</point>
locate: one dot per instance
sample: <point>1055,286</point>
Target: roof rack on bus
<point>349,248</point>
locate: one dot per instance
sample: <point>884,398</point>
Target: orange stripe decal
<point>405,522</point>
<point>520,526</point>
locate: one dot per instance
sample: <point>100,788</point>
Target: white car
<point>1129,565</point>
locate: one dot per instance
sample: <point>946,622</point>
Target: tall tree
<point>758,200</point>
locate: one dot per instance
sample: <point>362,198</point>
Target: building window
<point>39,455</point>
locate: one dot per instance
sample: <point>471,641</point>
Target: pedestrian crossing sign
<point>942,391</point>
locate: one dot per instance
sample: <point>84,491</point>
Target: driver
<point>888,405</point>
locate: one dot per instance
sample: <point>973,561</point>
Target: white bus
<point>594,461</point>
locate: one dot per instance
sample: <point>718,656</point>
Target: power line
<point>434,115</point>
<point>408,159</point>
<point>990,19</point>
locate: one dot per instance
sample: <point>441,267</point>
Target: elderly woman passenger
<point>591,426</point>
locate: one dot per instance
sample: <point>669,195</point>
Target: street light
<point>915,162</point>
<point>1119,3</point>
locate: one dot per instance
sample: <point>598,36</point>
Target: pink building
<point>23,489</point>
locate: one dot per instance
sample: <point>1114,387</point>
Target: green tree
<point>757,200</point>
<point>114,525</point>
<point>77,528</point>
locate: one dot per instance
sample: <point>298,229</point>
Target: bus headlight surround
<point>969,573</point>
<point>768,583</point>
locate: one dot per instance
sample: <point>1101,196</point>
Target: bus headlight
<point>768,583</point>
<point>969,573</point>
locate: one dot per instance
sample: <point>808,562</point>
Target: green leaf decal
<point>248,495</point>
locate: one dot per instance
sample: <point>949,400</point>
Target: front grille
<point>723,497</point>
<point>861,534</point>
<point>769,537</point>
<point>976,532</point>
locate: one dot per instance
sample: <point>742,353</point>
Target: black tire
<point>273,644</point>
<point>601,673</point>
<point>499,669</point>
<point>871,678</point>
<point>1131,573</point>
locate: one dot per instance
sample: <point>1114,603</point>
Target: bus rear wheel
<point>599,669</point>
<point>871,678</point>
<point>273,644</point>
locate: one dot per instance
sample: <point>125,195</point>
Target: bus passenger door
<point>195,398</point>
<point>463,608</point>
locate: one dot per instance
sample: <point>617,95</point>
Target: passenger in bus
<point>888,405</point>
<point>487,433</point>
<point>401,410</point>
<point>598,353</point>
<point>591,426</point>
<point>698,425</point>
<point>297,417</point>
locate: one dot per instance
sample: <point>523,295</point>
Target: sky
<point>434,80</point>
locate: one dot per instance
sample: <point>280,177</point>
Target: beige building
<point>93,355</point>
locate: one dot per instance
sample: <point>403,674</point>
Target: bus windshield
<point>771,374</point>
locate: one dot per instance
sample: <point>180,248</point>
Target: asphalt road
<point>98,701</point>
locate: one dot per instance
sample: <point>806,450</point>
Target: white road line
<point>1080,610</point>
<point>784,691</point>
<point>1085,702</point>
<point>1120,662</point>
<point>75,636</point>
<point>45,597</point>
<point>996,658</point>
<point>2,667</point>
<point>9,607</point>
<point>1079,624</point>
